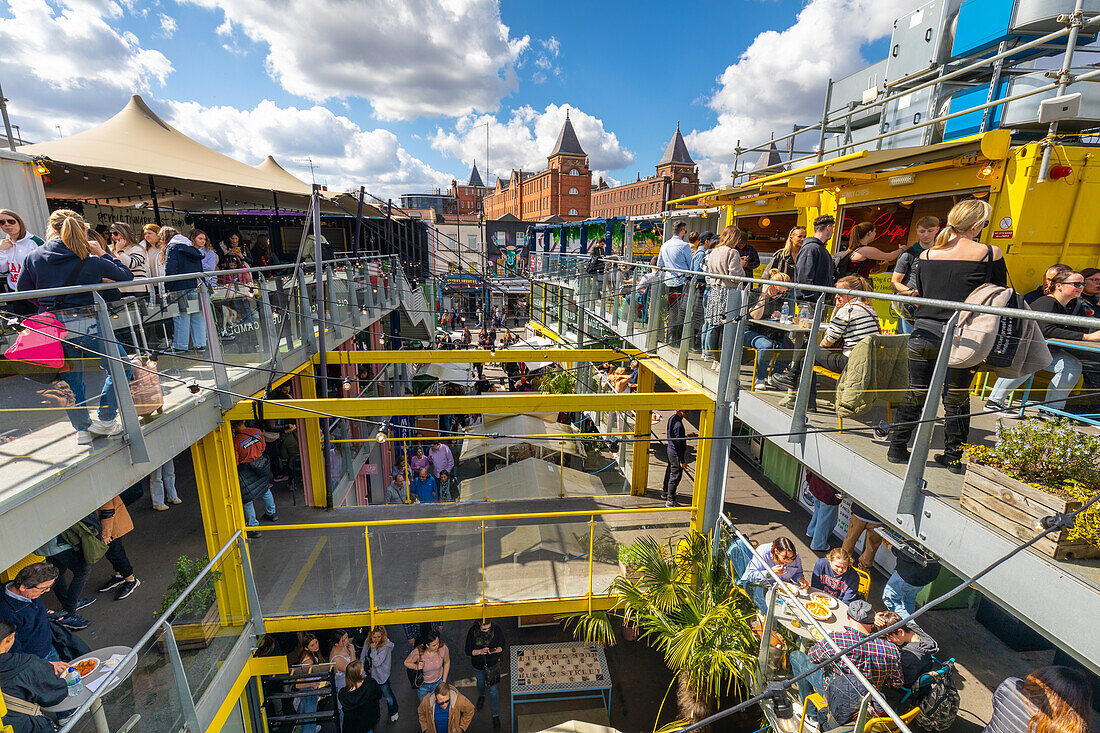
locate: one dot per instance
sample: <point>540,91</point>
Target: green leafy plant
<point>631,555</point>
<point>559,382</point>
<point>1052,456</point>
<point>195,605</point>
<point>683,603</point>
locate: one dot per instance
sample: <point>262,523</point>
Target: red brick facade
<point>677,176</point>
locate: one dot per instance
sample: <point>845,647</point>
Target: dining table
<point>797,624</point>
<point>109,658</point>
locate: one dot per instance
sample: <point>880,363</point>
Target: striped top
<point>852,322</point>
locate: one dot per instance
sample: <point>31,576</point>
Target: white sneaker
<point>105,428</point>
<point>760,385</point>
<point>83,437</point>
<point>393,718</point>
<point>161,507</point>
<point>175,500</point>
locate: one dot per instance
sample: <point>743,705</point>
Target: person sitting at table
<point>30,680</point>
<point>764,304</point>
<point>1063,289</point>
<point>782,558</point>
<point>916,648</point>
<point>21,604</point>
<point>878,660</point>
<point>834,575</point>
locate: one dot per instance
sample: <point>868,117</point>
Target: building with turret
<point>677,175</point>
<point>563,190</point>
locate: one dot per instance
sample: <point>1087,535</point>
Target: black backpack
<point>842,264</point>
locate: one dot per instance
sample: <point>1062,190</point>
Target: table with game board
<point>566,670</point>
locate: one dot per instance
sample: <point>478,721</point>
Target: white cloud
<point>527,137</point>
<point>343,153</point>
<point>409,58</point>
<point>546,60</point>
<point>780,79</point>
<point>168,25</point>
<point>64,64</point>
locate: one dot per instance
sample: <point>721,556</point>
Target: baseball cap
<point>861,611</point>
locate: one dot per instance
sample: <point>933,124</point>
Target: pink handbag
<point>42,346</point>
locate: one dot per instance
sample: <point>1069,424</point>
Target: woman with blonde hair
<point>763,305</point>
<point>954,266</point>
<point>1051,700</point>
<point>155,251</point>
<point>784,261</point>
<point>377,656</point>
<point>724,259</point>
<point>67,259</point>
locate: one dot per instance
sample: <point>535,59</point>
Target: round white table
<point>784,614</point>
<point>72,703</point>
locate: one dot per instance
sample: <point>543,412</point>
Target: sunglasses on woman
<point>7,222</point>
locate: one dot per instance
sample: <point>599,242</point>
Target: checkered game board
<point>559,667</point>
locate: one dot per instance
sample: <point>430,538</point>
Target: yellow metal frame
<point>256,667</point>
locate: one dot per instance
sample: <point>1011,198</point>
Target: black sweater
<point>480,661</point>
<point>360,706</point>
<point>1047,304</point>
<point>31,679</point>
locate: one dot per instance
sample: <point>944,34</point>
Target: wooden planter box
<point>197,635</point>
<point>1013,506</point>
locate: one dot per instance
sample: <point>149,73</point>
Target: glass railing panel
<point>440,564</point>
<point>241,328</point>
<point>536,558</point>
<point>318,570</point>
<point>210,622</point>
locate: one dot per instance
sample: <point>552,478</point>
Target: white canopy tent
<point>520,425</point>
<point>531,478</point>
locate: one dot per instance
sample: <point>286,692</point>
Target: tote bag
<point>42,345</point>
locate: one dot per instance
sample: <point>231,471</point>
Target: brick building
<point>677,175</point>
<point>468,198</point>
<point>564,189</point>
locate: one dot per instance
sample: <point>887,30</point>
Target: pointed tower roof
<point>567,144</point>
<point>769,157</point>
<point>677,151</point>
<point>475,177</point>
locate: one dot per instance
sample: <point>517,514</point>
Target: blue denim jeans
<point>494,691</point>
<point>899,596</point>
<point>1066,369</point>
<point>904,326</point>
<point>765,347</point>
<point>425,689</point>
<point>188,328</point>
<point>162,483</point>
<point>250,511</point>
<point>389,697</point>
<point>306,705</point>
<point>822,523</point>
<point>813,683</point>
<point>84,337</point>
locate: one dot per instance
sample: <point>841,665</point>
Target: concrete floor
<point>638,673</point>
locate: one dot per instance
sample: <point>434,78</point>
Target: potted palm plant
<point>1035,469</point>
<point>682,602</point>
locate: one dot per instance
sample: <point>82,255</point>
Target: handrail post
<point>863,714</point>
<point>250,589</point>
<point>370,575</point>
<point>742,317</point>
<point>353,299</point>
<point>591,547</point>
<point>631,299</point>
<point>723,412</point>
<point>687,331</point>
<point>334,305</point>
<point>766,636</point>
<point>131,424</point>
<point>214,348</point>
<point>179,676</point>
<point>805,378</point>
<point>656,295</point>
<point>914,472</point>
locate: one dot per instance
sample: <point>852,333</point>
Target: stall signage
<point>1004,228</point>
<point>886,226</point>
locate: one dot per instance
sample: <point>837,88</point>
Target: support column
<point>700,495</point>
<point>313,441</point>
<point>639,470</point>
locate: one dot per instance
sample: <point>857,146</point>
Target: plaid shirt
<point>879,660</point>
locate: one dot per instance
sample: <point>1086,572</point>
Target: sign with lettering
<point>134,218</point>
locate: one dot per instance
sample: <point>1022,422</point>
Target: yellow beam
<point>313,435</point>
<point>476,356</point>
<point>256,667</point>
<point>489,403</point>
<point>643,419</point>
<point>668,374</point>
<point>462,612</point>
<point>702,468</point>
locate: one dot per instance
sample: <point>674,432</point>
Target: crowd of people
<point>362,662</point>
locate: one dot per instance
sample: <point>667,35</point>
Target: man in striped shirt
<point>878,660</point>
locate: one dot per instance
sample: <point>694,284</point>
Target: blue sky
<point>395,94</point>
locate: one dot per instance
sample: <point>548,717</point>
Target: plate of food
<point>818,611</point>
<point>824,599</point>
<point>86,666</point>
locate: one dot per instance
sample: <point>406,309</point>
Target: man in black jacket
<point>484,646</point>
<point>814,265</point>
<point>28,679</point>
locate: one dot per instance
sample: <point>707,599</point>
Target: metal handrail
<point>161,621</point>
<point>46,292</point>
<point>825,638</point>
<point>1065,320</point>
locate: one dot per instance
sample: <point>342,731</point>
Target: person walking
<point>484,647</point>
<point>911,574</point>
<point>395,492</point>
<point>65,554</point>
<point>377,656</point>
<point>183,256</point>
<point>447,486</point>
<point>441,458</point>
<point>424,487</point>
<point>725,259</point>
<point>308,654</point>
<point>676,444</point>
<point>68,258</point>
<point>358,699</point>
<point>432,659</point>
<point>162,486</point>
<point>445,711</point>
<point>253,472</point>
<point>115,522</point>
<point>950,270</point>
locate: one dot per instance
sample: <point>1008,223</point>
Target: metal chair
<point>864,582</point>
<point>882,724</point>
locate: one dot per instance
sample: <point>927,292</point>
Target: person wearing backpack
<point>951,269</point>
<point>254,472</point>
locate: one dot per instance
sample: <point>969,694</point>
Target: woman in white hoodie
<point>131,252</point>
<point>14,248</point>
